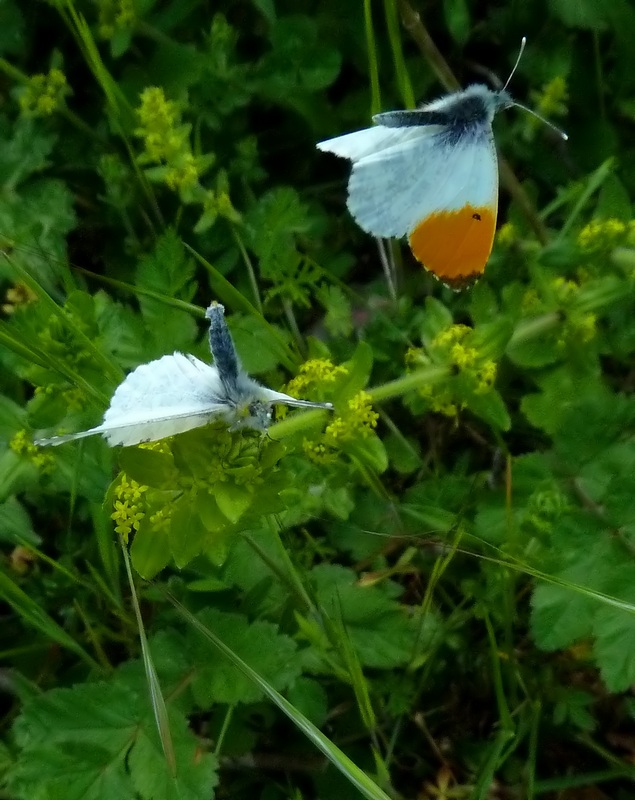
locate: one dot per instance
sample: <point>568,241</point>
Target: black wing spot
<point>476,217</point>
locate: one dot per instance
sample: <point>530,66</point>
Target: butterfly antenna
<point>553,127</point>
<point>523,42</point>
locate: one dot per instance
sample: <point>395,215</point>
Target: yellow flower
<point>601,236</point>
<point>507,235</point>
<point>531,303</point>
<point>357,422</point>
<point>115,15</point>
<point>451,335</point>
<point>564,289</point>
<point>44,94</point>
<point>22,445</point>
<point>126,517</point>
<point>164,138</point>
<point>486,377</point>
<point>318,452</point>
<point>587,327</point>
<point>17,295</point>
<point>317,372</point>
<point>552,100</point>
<point>184,174</point>
<point>463,356</point>
<point>129,505</point>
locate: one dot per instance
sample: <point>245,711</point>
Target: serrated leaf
<point>382,631</point>
<point>81,743</point>
<point>269,652</point>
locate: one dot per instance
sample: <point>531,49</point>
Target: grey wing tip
<point>53,441</point>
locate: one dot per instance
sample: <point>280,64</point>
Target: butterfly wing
<point>271,396</point>
<point>171,395</point>
<point>441,192</point>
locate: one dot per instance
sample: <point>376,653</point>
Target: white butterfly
<point>179,392</point>
<point>431,174</point>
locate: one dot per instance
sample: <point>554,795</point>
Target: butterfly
<point>431,174</point>
<point>178,392</point>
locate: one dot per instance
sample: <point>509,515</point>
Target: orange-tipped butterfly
<point>432,174</point>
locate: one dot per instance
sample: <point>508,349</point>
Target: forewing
<point>370,141</point>
<point>392,190</point>
<point>170,395</point>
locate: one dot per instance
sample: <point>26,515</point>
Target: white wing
<point>170,395</point>
<point>414,172</point>
<point>360,144</point>
<point>271,396</point>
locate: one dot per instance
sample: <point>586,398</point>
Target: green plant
<point>434,586</point>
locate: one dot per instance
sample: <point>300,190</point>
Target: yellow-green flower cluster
<point>22,445</point>
<point>553,98</point>
<point>545,507</point>
<point>115,15</point>
<point>357,422</point>
<point>466,359</point>
<point>442,400</point>
<point>507,235</point>
<point>217,203</point>
<point>564,290</point>
<point>165,139</point>
<point>531,303</point>
<point>17,295</point>
<point>235,458</point>
<point>59,340</point>
<point>603,236</point>
<point>129,506</point>
<point>578,328</point>
<point>477,374</point>
<point>44,94</point>
<point>315,373</point>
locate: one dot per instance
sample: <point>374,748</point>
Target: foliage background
<point>448,597</point>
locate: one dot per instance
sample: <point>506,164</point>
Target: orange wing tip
<point>455,245</point>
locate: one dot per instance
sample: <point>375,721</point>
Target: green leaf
<point>383,633</point>
<point>310,699</point>
<point>15,524</point>
<point>82,743</point>
<point>299,59</point>
<point>614,632</point>
<point>436,318</point>
<point>491,408</point>
<point>270,652</point>
<point>168,272</point>
<point>150,550</point>
<point>339,315</point>
<point>340,760</point>
<point>148,467</point>
<point>187,533</point>
<point>35,616</point>
<point>232,500</point>
<point>590,14</point>
<point>370,451</point>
